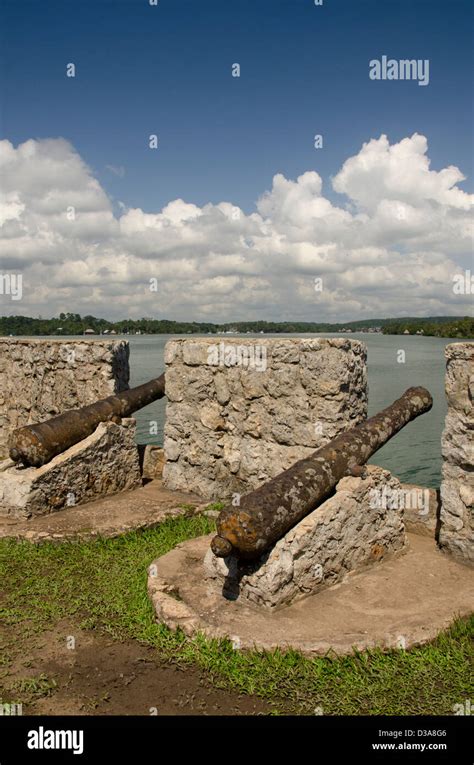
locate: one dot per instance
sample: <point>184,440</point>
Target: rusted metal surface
<point>35,445</point>
<point>267,513</point>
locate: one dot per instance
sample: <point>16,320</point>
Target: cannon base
<point>105,462</point>
<point>386,599</point>
<point>346,533</point>
<point>400,603</point>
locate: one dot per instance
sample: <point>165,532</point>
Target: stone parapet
<point>42,378</point>
<point>457,443</point>
<point>241,411</point>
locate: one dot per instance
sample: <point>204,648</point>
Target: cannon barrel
<point>267,513</point>
<point>35,445</point>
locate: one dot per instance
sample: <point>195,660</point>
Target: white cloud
<point>391,249</point>
<point>118,170</point>
<point>399,172</point>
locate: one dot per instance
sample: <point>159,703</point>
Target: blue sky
<point>167,70</point>
<point>380,214</point>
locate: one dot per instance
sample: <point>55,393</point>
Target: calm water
<point>414,455</point>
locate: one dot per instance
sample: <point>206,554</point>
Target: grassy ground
<point>101,586</point>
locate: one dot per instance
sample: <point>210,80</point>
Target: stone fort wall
<point>42,378</point>
<point>240,411</point>
<point>457,443</point>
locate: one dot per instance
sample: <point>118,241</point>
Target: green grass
<point>215,506</point>
<point>34,687</point>
<point>101,585</point>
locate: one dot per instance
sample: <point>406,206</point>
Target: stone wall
<point>241,411</point>
<point>42,378</point>
<point>344,534</point>
<point>457,487</point>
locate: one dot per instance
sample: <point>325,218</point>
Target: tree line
<point>458,328</point>
<point>75,324</point>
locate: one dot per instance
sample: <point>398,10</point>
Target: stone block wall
<point>42,378</point>
<point>457,486</point>
<point>240,411</point>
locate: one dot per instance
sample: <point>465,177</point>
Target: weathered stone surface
<point>345,533</point>
<point>457,486</point>
<point>240,411</point>
<point>42,378</point>
<point>152,459</point>
<point>421,508</point>
<point>140,508</point>
<point>104,463</point>
<point>405,601</point>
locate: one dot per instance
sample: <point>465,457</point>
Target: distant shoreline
<point>455,327</point>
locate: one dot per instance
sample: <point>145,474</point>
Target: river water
<point>414,455</point>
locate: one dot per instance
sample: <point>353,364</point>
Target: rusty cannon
<point>267,513</point>
<point>35,445</point>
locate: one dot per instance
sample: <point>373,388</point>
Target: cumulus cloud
<point>400,173</point>
<point>391,247</point>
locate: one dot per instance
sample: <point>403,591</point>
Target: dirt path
<point>100,676</point>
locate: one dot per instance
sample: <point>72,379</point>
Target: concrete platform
<point>111,516</point>
<point>398,603</point>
